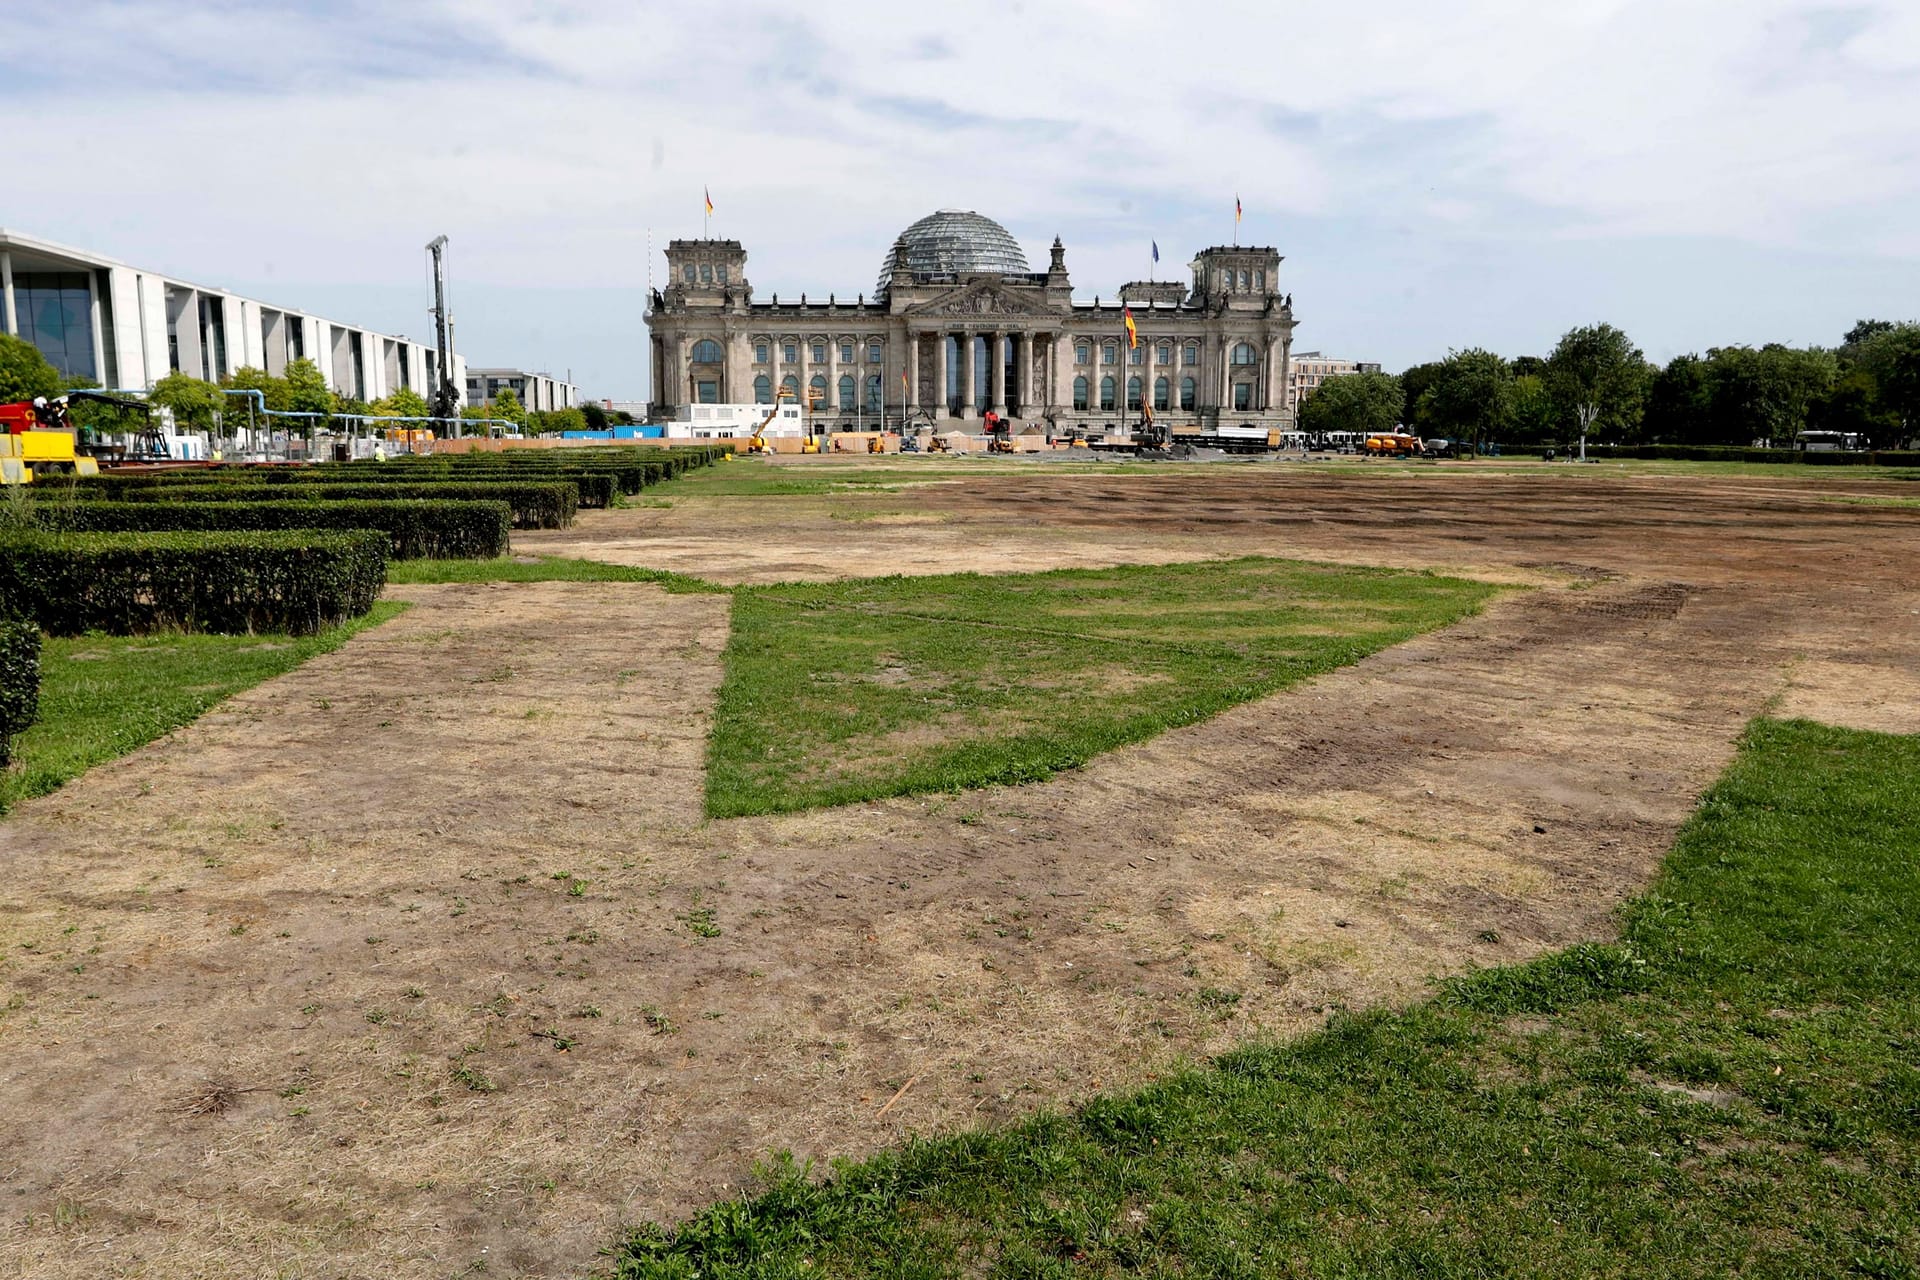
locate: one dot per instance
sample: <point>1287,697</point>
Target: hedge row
<point>128,583</point>
<point>591,490</point>
<point>417,528</point>
<point>19,682</point>
<point>1726,453</point>
<point>535,504</point>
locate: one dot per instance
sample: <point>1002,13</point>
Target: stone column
<point>939,406</point>
<point>833,373</point>
<point>1028,401</point>
<point>913,371</point>
<point>970,377</point>
<point>997,376</point>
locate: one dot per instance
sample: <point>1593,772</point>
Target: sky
<point>1437,175</point>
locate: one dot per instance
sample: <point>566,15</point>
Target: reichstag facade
<point>958,324</point>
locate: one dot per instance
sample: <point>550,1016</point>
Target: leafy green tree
<point>25,373</point>
<point>307,393</point>
<point>1472,399</point>
<point>404,403</point>
<point>1892,358</point>
<point>565,420</point>
<point>1534,419</point>
<point>474,412</point>
<point>595,415</point>
<point>507,405</point>
<point>1527,367</point>
<point>1597,379</point>
<point>249,378</point>
<point>1680,403</point>
<point>1863,332</point>
<point>1415,382</point>
<point>195,404</point>
<point>1766,393</point>
<point>1354,402</point>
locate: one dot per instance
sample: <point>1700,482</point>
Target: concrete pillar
<point>833,374</point>
<point>997,379</point>
<point>913,372</point>
<point>6,289</point>
<point>1028,401</point>
<point>105,375</point>
<point>970,377</point>
<point>940,404</point>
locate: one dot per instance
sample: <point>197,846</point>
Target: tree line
<point>199,405</point>
<point>1596,384</point>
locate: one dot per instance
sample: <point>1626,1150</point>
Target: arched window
<point>1243,396</point>
<point>1243,353</point>
<point>817,391</point>
<point>706,351</point>
<point>1110,353</point>
<point>1244,282</point>
<point>846,391</point>
<point>1082,353</point>
<point>1186,393</point>
<point>706,273</point>
<point>1080,390</point>
<point>1260,280</point>
<point>760,352</point>
<point>1190,354</point>
<point>686,273</point>
<point>873,393</point>
<point>1133,392</point>
<point>790,389</point>
<point>1160,393</point>
<point>763,390</point>
<point>720,274</point>
<point>1106,392</point>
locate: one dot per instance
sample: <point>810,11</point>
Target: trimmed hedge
<point>418,528</point>
<point>535,504</point>
<point>295,581</point>
<point>19,682</point>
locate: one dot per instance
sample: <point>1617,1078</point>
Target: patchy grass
<point>103,696</point>
<point>1731,1089</point>
<point>845,691</point>
<point>539,569</point>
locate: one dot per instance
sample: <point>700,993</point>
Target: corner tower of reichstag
<point>958,324</point>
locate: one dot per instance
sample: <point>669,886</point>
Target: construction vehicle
<point>999,434</point>
<point>757,442</point>
<point>1391,444</point>
<point>41,438</point>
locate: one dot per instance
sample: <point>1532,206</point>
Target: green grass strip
<point>103,696</point>
<point>1732,1089</point>
<point>846,691</point>
<point>542,569</point>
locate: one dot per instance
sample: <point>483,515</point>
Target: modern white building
<point>126,328</point>
<point>540,391</point>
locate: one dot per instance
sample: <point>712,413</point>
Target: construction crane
<point>446,398</point>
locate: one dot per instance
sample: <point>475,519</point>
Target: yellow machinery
<point>39,438</point>
<point>1392,444</point>
<point>757,443</point>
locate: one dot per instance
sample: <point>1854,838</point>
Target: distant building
<point>1311,368</point>
<point>126,328</point>
<point>958,325</point>
<point>540,391</point>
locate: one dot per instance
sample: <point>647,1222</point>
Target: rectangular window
<point>760,352</point>
<point>55,311</point>
<point>819,353</point>
<point>1243,395</point>
<point>790,353</point>
<point>709,392</point>
<point>846,353</point>
<point>874,353</point>
<point>1109,355</point>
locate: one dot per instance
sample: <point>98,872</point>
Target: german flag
<point>1133,334</point>
<point>709,196</point>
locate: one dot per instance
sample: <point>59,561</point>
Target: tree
<point>1472,399</point>
<point>272,390</point>
<point>557,420</point>
<point>595,415</point>
<point>1414,384</point>
<point>1680,403</point>
<point>1766,393</point>
<point>195,404</point>
<point>1597,378</point>
<point>404,403</point>
<point>1534,418</point>
<point>1892,358</point>
<point>1354,402</point>
<point>507,405</point>
<point>1863,332</point>
<point>307,393</point>
<point>1527,367</point>
<point>24,373</point>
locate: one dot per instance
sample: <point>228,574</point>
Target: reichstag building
<point>958,324</point>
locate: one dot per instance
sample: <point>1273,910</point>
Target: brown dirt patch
<point>246,895</point>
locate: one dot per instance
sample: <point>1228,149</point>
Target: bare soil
<point>297,992</point>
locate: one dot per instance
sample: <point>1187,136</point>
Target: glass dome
<point>956,241</point>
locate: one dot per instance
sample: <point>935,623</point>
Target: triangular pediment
<point>985,298</point>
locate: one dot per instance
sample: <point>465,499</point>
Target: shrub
<point>296,581</point>
<point>19,682</point>
<point>418,528</point>
<point>536,504</point>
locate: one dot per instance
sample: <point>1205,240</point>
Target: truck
<point>41,439</point>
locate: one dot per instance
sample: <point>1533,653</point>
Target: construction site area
<point>443,953</point>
